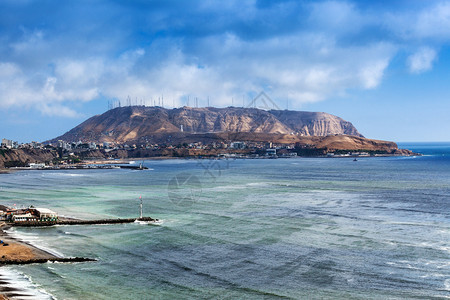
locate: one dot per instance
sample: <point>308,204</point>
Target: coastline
<point>13,251</point>
<point>99,163</point>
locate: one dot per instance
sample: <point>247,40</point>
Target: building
<point>44,214</point>
<point>9,144</point>
<point>237,145</point>
<point>64,145</point>
<point>30,214</point>
<point>36,145</point>
<point>28,217</point>
<point>37,165</point>
<point>3,215</point>
<point>271,152</point>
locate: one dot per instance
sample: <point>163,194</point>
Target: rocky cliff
<point>315,123</point>
<point>22,157</point>
<point>125,124</point>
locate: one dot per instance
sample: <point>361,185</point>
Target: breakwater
<point>81,222</point>
<point>45,260</point>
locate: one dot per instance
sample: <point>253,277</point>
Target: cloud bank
<point>56,53</point>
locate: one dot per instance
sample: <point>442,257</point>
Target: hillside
<point>22,157</point>
<point>139,123</point>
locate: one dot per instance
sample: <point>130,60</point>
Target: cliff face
<point>315,123</point>
<point>231,119</point>
<point>133,123</point>
<point>25,156</point>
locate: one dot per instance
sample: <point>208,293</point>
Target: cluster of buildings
<point>73,146</point>
<point>347,154</point>
<point>31,214</point>
<point>10,144</point>
<point>262,147</point>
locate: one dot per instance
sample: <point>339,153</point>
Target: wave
<point>62,174</point>
<point>31,240</point>
<point>71,233</point>
<point>154,223</point>
<point>16,285</point>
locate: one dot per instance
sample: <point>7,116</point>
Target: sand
<point>14,250</point>
<point>20,251</point>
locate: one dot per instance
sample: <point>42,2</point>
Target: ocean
<point>299,228</point>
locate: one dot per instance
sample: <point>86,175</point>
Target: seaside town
<point>85,154</point>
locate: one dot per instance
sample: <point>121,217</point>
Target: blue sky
<point>383,65</point>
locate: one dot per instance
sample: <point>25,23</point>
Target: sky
<point>382,65</point>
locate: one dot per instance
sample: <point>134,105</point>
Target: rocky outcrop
<point>125,124</point>
<point>315,123</point>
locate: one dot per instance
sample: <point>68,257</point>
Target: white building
<point>7,143</point>
<point>36,166</point>
<point>45,214</point>
<point>24,218</point>
<point>237,145</point>
<point>64,145</point>
<point>271,152</point>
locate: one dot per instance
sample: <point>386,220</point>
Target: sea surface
<point>300,228</point>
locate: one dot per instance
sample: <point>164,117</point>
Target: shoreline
<point>17,252</point>
<point>111,164</point>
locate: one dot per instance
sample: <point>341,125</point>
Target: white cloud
<point>337,17</point>
<point>290,65</point>
<point>422,60</point>
<point>434,22</point>
<point>425,25</point>
<point>302,53</point>
<point>372,73</point>
<point>58,110</point>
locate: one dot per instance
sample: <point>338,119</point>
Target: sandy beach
<point>14,251</point>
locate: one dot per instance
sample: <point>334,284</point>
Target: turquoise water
<point>316,228</point>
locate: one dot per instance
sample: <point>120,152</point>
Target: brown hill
<point>22,157</point>
<point>129,124</point>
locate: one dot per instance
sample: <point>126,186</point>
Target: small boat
<point>355,159</point>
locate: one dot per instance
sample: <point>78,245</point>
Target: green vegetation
<point>4,151</point>
<point>311,152</point>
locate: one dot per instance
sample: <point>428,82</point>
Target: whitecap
<point>26,288</point>
<point>32,240</point>
<point>447,285</point>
